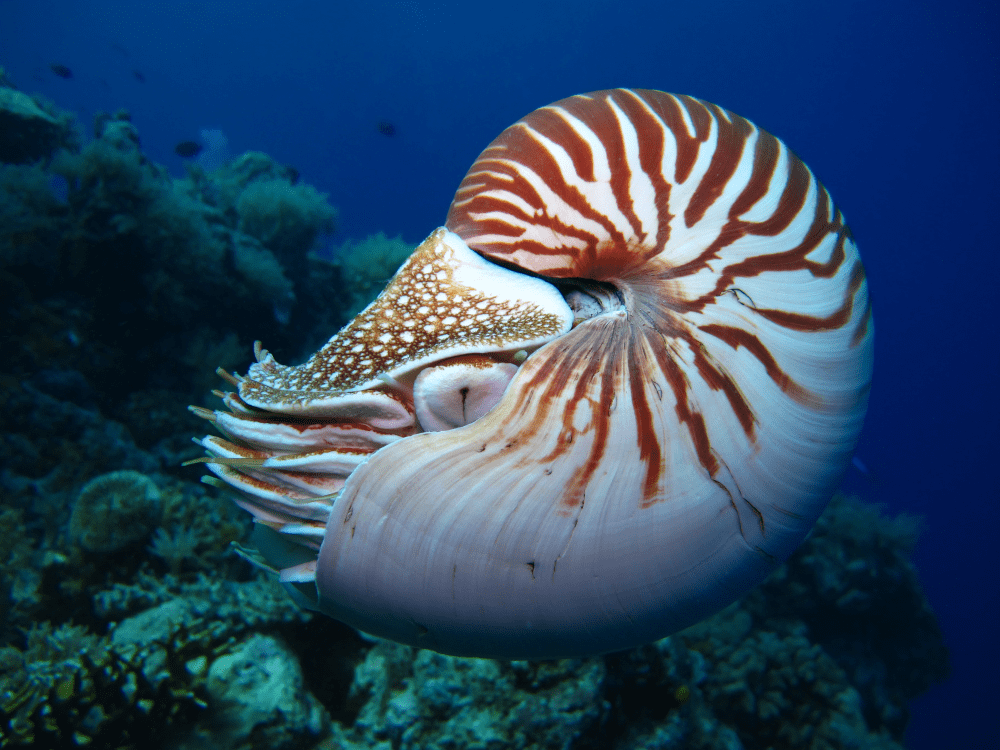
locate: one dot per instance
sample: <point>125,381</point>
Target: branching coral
<point>69,688</point>
<point>145,683</point>
<point>175,546</point>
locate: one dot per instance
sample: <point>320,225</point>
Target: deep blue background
<point>894,104</point>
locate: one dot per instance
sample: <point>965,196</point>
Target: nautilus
<point>604,400</point>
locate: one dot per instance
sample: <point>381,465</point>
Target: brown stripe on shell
<point>737,337</point>
<point>730,144</point>
<point>837,319</point>
<point>864,325</point>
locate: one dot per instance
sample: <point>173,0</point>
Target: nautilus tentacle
<point>611,419</point>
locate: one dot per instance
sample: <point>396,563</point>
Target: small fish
<point>139,76</point>
<point>61,70</point>
<point>386,128</point>
<point>187,149</point>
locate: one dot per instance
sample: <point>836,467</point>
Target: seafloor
<point>128,620</point>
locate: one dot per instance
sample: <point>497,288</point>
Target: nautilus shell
<point>610,395</point>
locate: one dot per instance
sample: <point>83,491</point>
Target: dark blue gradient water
<point>893,104</point>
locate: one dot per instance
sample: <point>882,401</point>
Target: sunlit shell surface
<point>611,395</point>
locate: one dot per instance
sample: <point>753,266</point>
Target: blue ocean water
<point>892,104</point>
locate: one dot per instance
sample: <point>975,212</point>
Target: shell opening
<point>589,299</point>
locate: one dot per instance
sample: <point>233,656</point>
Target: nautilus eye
<point>602,402</point>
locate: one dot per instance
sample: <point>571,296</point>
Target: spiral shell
<point>602,403</point>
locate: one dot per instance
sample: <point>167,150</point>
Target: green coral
<point>408,698</point>
<point>114,511</point>
<point>257,690</point>
<point>230,180</point>
<point>284,218</point>
<point>145,682</point>
<point>780,691</point>
<point>68,687</point>
<point>853,586</point>
<point>32,130</point>
<point>264,274</point>
<point>278,219</point>
<point>20,578</point>
<point>208,261</point>
<point>27,234</point>
<point>368,265</point>
<point>111,185</point>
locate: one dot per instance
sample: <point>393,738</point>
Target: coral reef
<point>284,217</point>
<point>368,265</point>
<point>31,128</point>
<point>405,698</point>
<point>115,510</point>
<point>128,619</point>
<point>148,682</point>
<point>135,286</point>
<point>259,686</point>
<point>854,589</point>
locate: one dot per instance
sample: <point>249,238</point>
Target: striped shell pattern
<point>601,403</point>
